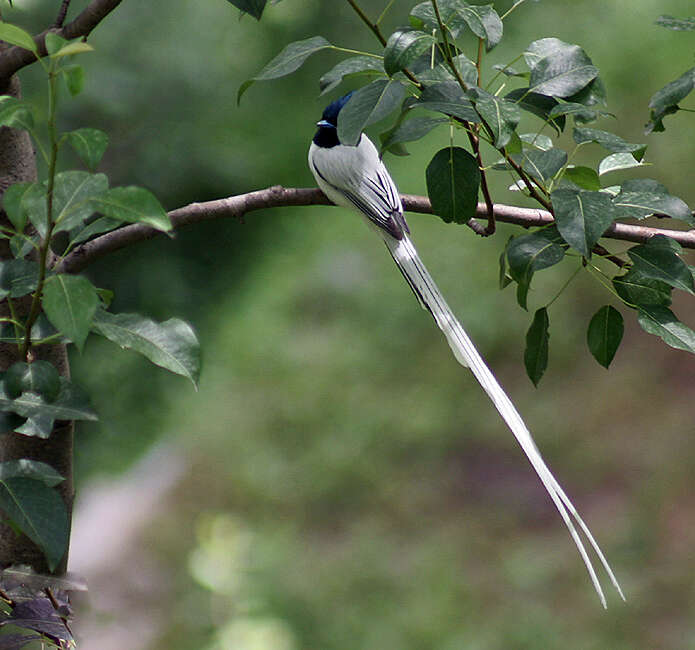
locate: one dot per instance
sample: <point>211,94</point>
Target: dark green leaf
<point>410,130</point>
<point>18,278</point>
<point>658,259</point>
<point>40,377</point>
<point>448,98</point>
<point>541,165</point>
<point>636,289</point>
<point>71,404</point>
<point>89,144</point>
<point>290,59</point>
<point>665,100</point>
<point>545,47</point>
<point>352,66</point>
<point>583,177</point>
<point>134,205</point>
<point>504,277</point>
<point>38,426</point>
<point>172,344</point>
<point>609,141</point>
<point>592,94</point>
<point>17,36</point>
<point>369,104</point>
<point>251,7</point>
<point>562,72</point>
<point>15,113</point>
<point>539,105</point>
<point>73,196</point>
<point>39,512</point>
<point>643,185</point>
<point>640,204</point>
<point>453,179</point>
<point>423,16</point>
<point>403,47</point>
<point>533,252</point>
<point>500,115</point>
<point>30,469</point>
<point>536,353</point>
<point>604,334</point>
<point>582,114</point>
<point>510,71</point>
<point>12,203</point>
<point>96,227</point>
<point>582,217</point>
<point>483,22</point>
<point>537,141</point>
<point>676,24</point>
<point>662,322</point>
<point>74,78</point>
<point>70,302</point>
<point>34,205</point>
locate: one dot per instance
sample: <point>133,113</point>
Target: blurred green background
<point>340,482</point>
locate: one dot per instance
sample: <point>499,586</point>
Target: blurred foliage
<point>349,486</point>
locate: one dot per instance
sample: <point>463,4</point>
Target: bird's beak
<point>324,123</point>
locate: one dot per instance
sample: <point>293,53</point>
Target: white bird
<point>355,177</point>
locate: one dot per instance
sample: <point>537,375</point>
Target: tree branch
<point>277,196</point>
<point>15,58</point>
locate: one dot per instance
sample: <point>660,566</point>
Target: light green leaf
<point>89,145</point>
<point>288,61</point>
<point>39,512</point>
<point>369,104</point>
<point>662,322</point>
<point>73,196</point>
<point>74,78</point>
<point>38,426</point>
<point>17,36</point>
<point>584,177</point>
<point>172,344</point>
<point>12,204</point>
<point>609,141</point>
<point>483,21</point>
<point>15,113</point>
<point>54,42</point>
<point>453,179</point>
<point>617,162</point>
<point>70,302</point>
<point>582,217</point>
<point>536,352</point>
<point>75,47</point>
<point>134,205</point>
<point>353,66</point>
<point>30,469</point>
<point>604,334</point>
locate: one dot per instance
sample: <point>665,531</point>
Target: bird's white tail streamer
<point>427,292</point>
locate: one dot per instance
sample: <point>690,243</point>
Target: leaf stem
<point>384,12</point>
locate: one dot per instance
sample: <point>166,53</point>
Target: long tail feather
<point>427,292</point>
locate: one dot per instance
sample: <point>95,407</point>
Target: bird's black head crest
<point>327,134</point>
<point>330,113</point>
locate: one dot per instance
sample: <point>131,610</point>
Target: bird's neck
<point>326,137</point>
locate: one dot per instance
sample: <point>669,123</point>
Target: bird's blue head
<point>327,134</point>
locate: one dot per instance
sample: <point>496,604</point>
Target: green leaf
<point>403,47</point>
<point>536,352</point>
<point>39,512</point>
<point>538,105</point>
<point>171,345</point>
<point>73,196</point>
<point>584,177</point>
<point>96,227</point>
<point>617,162</point>
<point>17,36</point>
<point>582,217</point>
<point>75,47</point>
<point>448,98</point>
<point>545,47</point>
<point>640,204</point>
<point>134,205</point>
<point>582,114</point>
<point>604,334</point>
<point>369,104</point>
<point>39,426</point>
<point>504,278</point>
<point>676,24</point>
<point>54,42</point>
<point>483,21</point>
<point>636,289</point>
<point>347,68</point>
<point>562,72</point>
<point>40,377</point>
<point>252,7</point>
<point>89,145</point>
<point>72,403</point>
<point>533,252</point>
<point>288,61</point>
<point>74,78</point>
<point>541,165</point>
<point>609,141</point>
<point>500,115</point>
<point>662,322</point>
<point>30,469</point>
<point>35,207</point>
<point>665,100</point>
<point>12,204</point>
<point>18,278</point>
<point>592,94</point>
<point>410,130</point>
<point>453,179</point>
<point>658,259</point>
<point>15,113</point>
<point>537,141</point>
<point>70,302</point>
<point>423,16</point>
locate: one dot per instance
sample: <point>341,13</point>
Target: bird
<point>354,176</point>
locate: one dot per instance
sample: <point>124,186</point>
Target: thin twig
<point>273,197</point>
<point>62,13</point>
